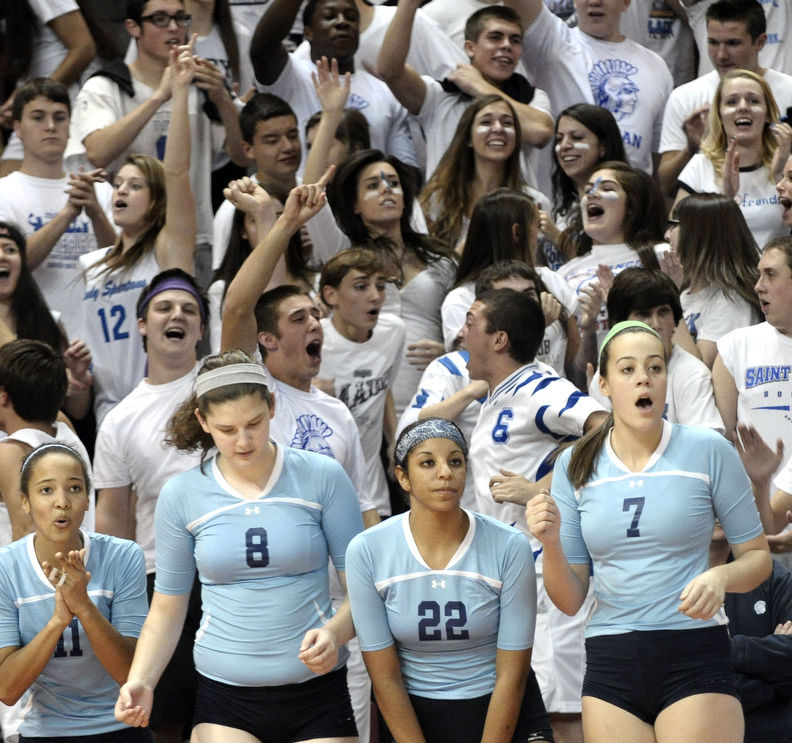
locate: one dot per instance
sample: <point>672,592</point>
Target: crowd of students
<point>489,321</point>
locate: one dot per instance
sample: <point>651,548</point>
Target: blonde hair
<point>715,143</point>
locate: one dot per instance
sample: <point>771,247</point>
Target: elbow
<point>9,696</point>
<point>539,134</point>
<point>97,157</point>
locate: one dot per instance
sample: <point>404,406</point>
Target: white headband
<point>245,373</point>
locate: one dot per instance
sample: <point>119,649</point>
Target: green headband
<point>626,325</point>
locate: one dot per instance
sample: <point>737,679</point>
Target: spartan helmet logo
<point>612,87</point>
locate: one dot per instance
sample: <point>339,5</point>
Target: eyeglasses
<point>161,19</point>
<point>672,224</point>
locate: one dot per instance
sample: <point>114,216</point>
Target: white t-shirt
<point>758,198</point>
<point>655,26</point>
<point>101,102</point>
<point>582,271</point>
<point>689,395</point>
<point>363,374</point>
<point>685,99</point>
<point>30,203</point>
<point>131,450</point>
<point>108,320</point>
<point>317,422</point>
<point>759,359</point>
<point>632,82</point>
<point>777,52</point>
<point>386,117</point>
<point>710,314</point>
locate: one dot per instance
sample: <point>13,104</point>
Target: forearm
<point>176,159</point>
<point>22,667</point>
<point>396,44</point>
<point>42,241</point>
<point>316,163</point>
<point>78,404</point>
<point>341,624</point>
<point>746,571</point>
<point>504,709</point>
<point>229,114</point>
<point>394,705</point>
<point>452,407</point>
<point>563,584</point>
<point>105,145</point>
<point>266,52</point>
<point>102,227</point>
<point>114,651</point>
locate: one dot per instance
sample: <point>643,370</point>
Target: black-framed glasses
<point>672,224</point>
<point>161,19</point>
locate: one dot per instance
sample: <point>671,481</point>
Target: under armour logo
<point>438,584</point>
<point>636,483</point>
<point>249,510</point>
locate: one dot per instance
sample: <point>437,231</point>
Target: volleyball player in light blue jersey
<point>72,604</point>
<point>444,602</point>
<point>637,499</point>
<point>258,522</point>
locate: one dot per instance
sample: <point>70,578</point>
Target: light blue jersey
<point>446,624</point>
<point>74,695</point>
<point>648,533</point>
<point>262,562</point>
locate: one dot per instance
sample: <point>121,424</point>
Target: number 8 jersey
<point>446,624</point>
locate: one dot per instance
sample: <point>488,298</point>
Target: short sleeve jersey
<point>648,533</point>
<point>446,624</point>
<point>262,562</point>
<point>74,695</point>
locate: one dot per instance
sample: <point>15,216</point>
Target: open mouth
<point>785,202</point>
<point>175,333</point>
<point>743,122</point>
<point>119,204</point>
<point>594,210</point>
<point>644,402</point>
<point>5,272</point>
<point>497,142</point>
<point>314,350</point>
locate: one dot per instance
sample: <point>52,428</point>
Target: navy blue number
<point>457,619</point>
<point>500,431</point>
<point>256,553</point>
<point>60,649</point>
<point>119,313</point>
<point>161,146</point>
<point>634,531</point>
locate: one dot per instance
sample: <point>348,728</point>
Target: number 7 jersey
<point>446,624</point>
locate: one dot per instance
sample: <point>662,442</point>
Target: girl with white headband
<point>636,500</point>
<point>444,602</point>
<point>72,604</point>
<point>258,522</point>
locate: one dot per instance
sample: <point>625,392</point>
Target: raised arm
<point>266,49</point>
<point>527,9</point>
<point>333,93</point>
<point>403,80</point>
<point>72,31</point>
<point>239,322</point>
<point>175,244</point>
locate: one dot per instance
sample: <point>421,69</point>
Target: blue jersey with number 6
<point>648,533</point>
<point>74,695</point>
<point>262,562</point>
<point>446,624</point>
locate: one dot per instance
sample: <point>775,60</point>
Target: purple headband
<point>173,283</point>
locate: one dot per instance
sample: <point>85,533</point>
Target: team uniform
<point>446,624</point>
<point>689,395</point>
<point>30,203</point>
<point>647,535</point>
<point>109,326</point>
<point>74,695</point>
<point>363,373</point>
<point>759,359</point>
<point>757,196</point>
<point>262,562</point>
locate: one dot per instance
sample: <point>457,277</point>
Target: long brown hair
<point>446,198</point>
<point>116,259</point>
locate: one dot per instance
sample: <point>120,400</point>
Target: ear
<point>272,405</point>
<point>268,340</point>
<point>4,400</point>
<point>247,150</point>
<point>25,503</point>
<point>470,49</point>
<point>761,40</point>
<point>133,28</point>
<point>141,323</point>
<point>516,233</point>
<point>16,129</point>
<point>402,478</point>
<point>500,341</point>
<point>330,296</point>
<point>308,34</point>
<point>202,421</point>
<point>603,386</point>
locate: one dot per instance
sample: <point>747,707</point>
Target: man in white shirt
<point>736,34</point>
<point>62,217</point>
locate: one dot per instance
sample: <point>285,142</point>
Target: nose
<point>497,125</point>
<point>443,471</point>
<point>59,499</point>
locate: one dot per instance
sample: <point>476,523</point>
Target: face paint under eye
<point>757,109</point>
<point>609,195</point>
